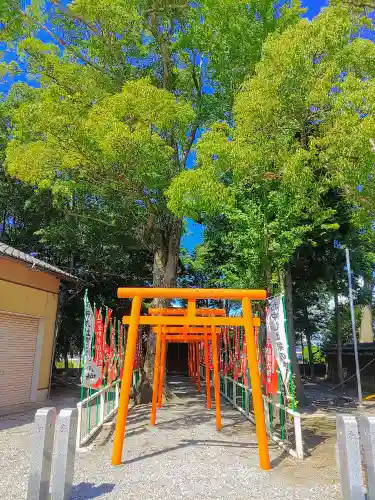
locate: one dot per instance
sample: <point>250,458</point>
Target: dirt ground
<point>183,456</point>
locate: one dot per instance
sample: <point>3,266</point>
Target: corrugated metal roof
<point>35,263</point>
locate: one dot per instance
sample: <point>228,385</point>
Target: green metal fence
<point>283,423</point>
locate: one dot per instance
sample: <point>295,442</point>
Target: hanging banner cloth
<point>277,339</point>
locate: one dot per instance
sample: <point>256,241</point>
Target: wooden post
<point>207,371</point>
<point>191,312</point>
<point>193,353</point>
<point>156,377</point>
<point>260,424</point>
<point>189,361</point>
<point>216,378</point>
<point>198,368</point>
<point>162,368</point>
<point>126,381</point>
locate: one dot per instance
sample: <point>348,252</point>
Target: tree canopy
<point>302,126</point>
<point>138,113</point>
<point>125,88</point>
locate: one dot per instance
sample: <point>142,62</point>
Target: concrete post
<point>102,407</point>
<point>298,435</point>
<point>349,458</point>
<point>117,392</point>
<point>247,401</point>
<point>66,430</point>
<point>41,454</point>
<point>79,425</point>
<point>266,414</point>
<point>367,431</point>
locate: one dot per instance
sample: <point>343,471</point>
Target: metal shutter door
<point>18,336</point>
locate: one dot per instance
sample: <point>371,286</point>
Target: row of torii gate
<point>191,325</point>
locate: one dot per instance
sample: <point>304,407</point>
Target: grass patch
<point>71,364</point>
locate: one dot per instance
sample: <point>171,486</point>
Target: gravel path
<point>182,457</point>
<point>15,449</point>
<point>185,457</point>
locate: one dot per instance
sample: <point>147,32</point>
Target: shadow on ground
<point>197,442</point>
<point>19,415</point>
<point>188,412</point>
<point>315,432</point>
<point>86,491</point>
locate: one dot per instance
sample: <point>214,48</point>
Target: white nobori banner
<point>277,336</point>
<point>89,329</point>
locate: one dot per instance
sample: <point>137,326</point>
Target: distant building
<point>366,356</point>
<point>29,290</point>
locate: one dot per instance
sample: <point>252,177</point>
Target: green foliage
<point>71,364</point>
<point>346,326</point>
<point>56,144</point>
<point>303,123</point>
<point>122,97</point>
<point>318,355</point>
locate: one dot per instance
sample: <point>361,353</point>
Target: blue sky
<point>194,234</point>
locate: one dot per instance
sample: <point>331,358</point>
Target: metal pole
<point>354,331</point>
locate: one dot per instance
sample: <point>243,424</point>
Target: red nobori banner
<point>271,370</point>
<point>99,351</point>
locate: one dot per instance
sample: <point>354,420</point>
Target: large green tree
<point>302,127</point>
<point>303,124</point>
<point>102,256</point>
<point>120,106</point>
<point>125,88</point>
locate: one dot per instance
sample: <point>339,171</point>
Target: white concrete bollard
<point>367,432</point>
<point>65,447</point>
<point>41,454</point>
<point>349,458</point>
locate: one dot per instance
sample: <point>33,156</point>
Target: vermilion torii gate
<point>191,325</point>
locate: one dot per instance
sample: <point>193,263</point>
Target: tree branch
<point>189,144</point>
<point>76,17</point>
<point>163,46</point>
<point>197,84</point>
<point>68,47</point>
<point>90,217</point>
<point>360,3</point>
<point>165,9</point>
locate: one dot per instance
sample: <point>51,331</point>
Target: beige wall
<point>34,293</point>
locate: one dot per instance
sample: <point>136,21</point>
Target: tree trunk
<point>4,224</point>
<point>166,258</point>
<point>303,356</point>
<point>340,371</point>
<point>308,339</point>
<point>61,307</point>
<point>300,393</point>
<point>66,359</point>
<point>311,356</point>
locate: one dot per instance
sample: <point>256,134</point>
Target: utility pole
<point>353,326</point>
